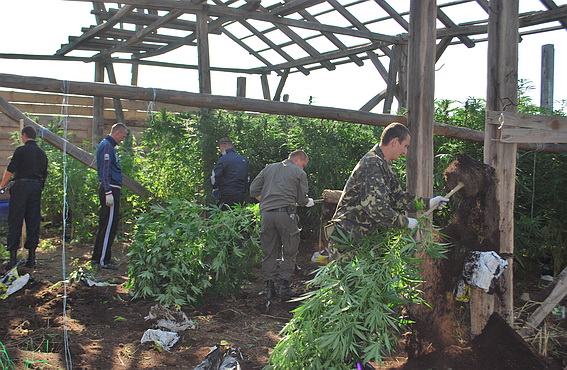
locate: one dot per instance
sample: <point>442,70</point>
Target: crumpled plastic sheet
<point>164,339</point>
<point>169,320</point>
<point>221,359</point>
<point>481,269</point>
<point>13,284</point>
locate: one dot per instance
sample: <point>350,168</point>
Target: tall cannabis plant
<point>183,251</point>
<point>354,313</point>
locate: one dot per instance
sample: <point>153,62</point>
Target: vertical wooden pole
<point>502,94</point>
<point>547,76</point>
<point>279,89</point>
<point>392,78</point>
<point>24,232</point>
<point>241,87</point>
<point>98,108</point>
<point>117,103</point>
<point>203,52</point>
<point>402,93</point>
<point>421,86</point>
<point>265,86</point>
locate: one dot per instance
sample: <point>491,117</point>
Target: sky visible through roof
<point>461,71</point>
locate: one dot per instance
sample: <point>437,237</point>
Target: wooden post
<point>402,93</point>
<point>241,87</point>
<point>98,108</point>
<point>392,77</point>
<point>24,230</point>
<point>117,103</point>
<point>280,87</point>
<point>421,86</point>
<point>265,86</point>
<point>502,94</point>
<point>547,76</point>
<point>203,53</point>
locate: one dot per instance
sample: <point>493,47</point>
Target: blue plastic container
<point>4,204</point>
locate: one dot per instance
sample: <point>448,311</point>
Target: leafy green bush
<point>81,185</point>
<point>354,313</point>
<point>183,251</point>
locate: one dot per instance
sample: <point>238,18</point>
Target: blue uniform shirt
<point>108,164</point>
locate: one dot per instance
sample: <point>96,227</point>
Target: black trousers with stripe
<point>107,225</point>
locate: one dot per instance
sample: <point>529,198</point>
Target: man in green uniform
<point>280,187</point>
<point>372,196</point>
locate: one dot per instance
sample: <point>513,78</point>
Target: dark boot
<point>285,289</point>
<point>13,260</point>
<point>31,258</point>
<point>270,289</point>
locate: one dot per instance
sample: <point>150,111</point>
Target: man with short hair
<point>110,177</point>
<point>372,197</point>
<point>230,175</point>
<point>281,187</point>
<point>28,167</point>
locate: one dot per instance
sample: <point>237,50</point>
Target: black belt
<point>27,180</point>
<point>283,209</point>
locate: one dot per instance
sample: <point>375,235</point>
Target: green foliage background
<point>176,153</point>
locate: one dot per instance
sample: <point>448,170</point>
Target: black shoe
<point>285,289</point>
<point>31,259</point>
<point>109,266</point>
<point>270,289</point>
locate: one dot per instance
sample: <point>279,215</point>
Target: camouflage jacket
<point>373,197</point>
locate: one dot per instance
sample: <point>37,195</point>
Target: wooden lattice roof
<point>282,36</point>
<point>295,35</point>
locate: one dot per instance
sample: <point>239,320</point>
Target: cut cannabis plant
<point>354,312</point>
<point>183,251</point>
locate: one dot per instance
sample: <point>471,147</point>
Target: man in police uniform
<point>110,177</point>
<point>280,187</point>
<point>29,168</point>
<point>372,197</point>
<point>230,175</point>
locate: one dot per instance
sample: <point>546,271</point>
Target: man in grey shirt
<point>280,188</point>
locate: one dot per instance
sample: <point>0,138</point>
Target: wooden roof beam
<point>116,33</point>
<point>393,13</point>
<point>294,6</point>
<point>218,11</point>
<point>444,18</point>
<point>140,35</point>
<point>100,45</point>
<point>123,61</point>
<point>96,30</point>
<point>215,25</point>
<point>251,51</point>
<point>146,19</point>
<point>526,20</point>
<point>331,37</point>
<point>270,43</point>
<point>302,44</point>
<point>550,4</point>
<point>311,60</point>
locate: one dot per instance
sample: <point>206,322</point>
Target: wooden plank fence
<point>46,107</point>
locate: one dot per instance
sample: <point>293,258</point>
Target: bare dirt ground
<point>105,326</point>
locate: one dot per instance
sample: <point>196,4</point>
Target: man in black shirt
<point>28,167</point>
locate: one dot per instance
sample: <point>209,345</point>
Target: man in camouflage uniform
<point>372,196</point>
<point>280,187</point>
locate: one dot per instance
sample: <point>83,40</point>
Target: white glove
<point>310,202</point>
<point>109,200</point>
<point>438,202</point>
<point>412,223</point>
